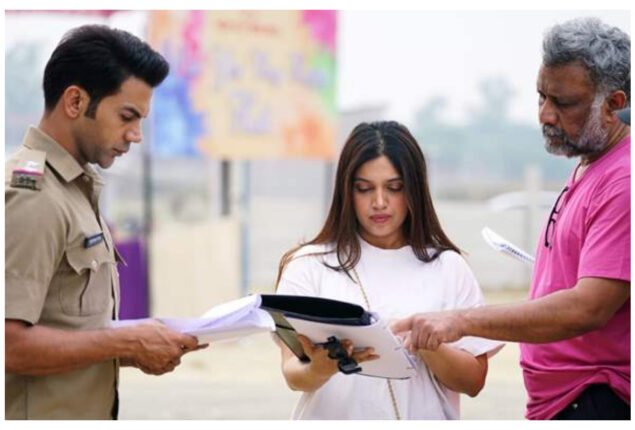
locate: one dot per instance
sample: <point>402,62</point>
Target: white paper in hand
<point>503,245</point>
<point>231,320</point>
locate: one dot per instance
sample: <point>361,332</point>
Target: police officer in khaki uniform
<point>61,282</point>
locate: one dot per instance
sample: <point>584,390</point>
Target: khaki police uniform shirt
<point>53,279</point>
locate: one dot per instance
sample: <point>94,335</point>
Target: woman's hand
<point>322,365</point>
<point>311,376</point>
<point>456,369</point>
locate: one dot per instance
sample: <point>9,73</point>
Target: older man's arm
<point>560,315</point>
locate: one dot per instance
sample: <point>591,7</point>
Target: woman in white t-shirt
<point>382,247</point>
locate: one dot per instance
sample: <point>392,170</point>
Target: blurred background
<point>240,150</point>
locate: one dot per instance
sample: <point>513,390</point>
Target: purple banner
<point>133,280</point>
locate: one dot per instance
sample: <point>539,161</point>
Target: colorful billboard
<point>245,84</point>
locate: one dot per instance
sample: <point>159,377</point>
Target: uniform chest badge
<point>93,240</point>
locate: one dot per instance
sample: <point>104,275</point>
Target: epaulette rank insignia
<point>29,170</point>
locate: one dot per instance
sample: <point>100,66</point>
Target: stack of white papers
<point>230,320</point>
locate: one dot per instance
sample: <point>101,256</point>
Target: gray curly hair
<point>604,50</point>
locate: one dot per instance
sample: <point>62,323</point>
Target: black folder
<point>315,309</point>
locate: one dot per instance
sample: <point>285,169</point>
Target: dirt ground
<point>242,380</point>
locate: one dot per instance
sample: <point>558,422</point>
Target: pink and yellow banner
<point>246,84</point>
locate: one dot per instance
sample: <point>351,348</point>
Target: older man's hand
<point>429,330</point>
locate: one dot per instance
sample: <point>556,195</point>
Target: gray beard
<point>592,139</point>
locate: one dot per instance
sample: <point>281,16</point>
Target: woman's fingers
<point>366,354</point>
<point>361,355</point>
<point>348,345</point>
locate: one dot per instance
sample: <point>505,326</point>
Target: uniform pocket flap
<point>80,258</point>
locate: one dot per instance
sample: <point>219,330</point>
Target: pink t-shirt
<point>591,238</point>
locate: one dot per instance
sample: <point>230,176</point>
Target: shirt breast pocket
<point>88,289</point>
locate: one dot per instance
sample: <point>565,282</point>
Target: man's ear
<point>74,101</point>
<point>614,101</point>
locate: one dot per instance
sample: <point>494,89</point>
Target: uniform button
<point>574,405</point>
<point>94,264</point>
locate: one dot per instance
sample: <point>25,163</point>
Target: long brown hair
<point>421,228</point>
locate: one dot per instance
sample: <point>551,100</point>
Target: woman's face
<point>380,203</point>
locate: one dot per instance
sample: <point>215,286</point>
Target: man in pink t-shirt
<point>575,329</point>
<point>588,237</point>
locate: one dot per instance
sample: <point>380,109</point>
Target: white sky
<point>402,59</point>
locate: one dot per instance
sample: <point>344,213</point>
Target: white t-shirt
<point>397,285</point>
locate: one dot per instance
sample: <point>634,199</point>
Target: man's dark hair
<point>99,59</point>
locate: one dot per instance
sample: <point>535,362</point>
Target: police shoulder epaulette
<point>29,170</point>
